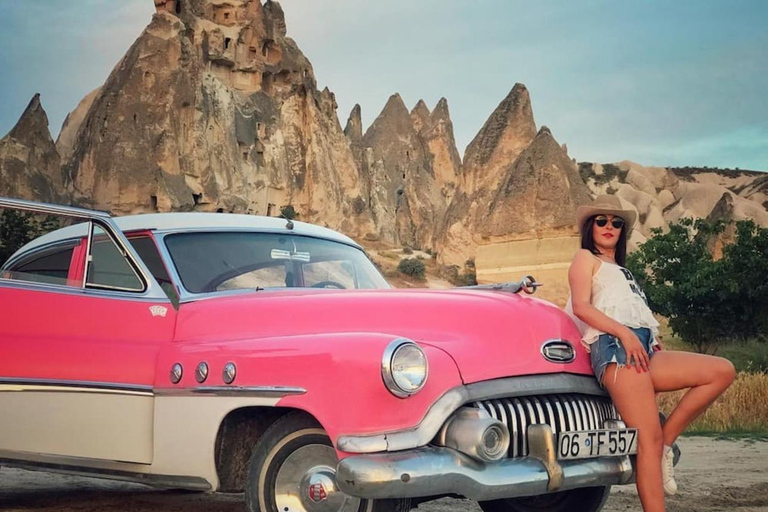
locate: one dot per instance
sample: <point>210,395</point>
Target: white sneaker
<point>668,471</point>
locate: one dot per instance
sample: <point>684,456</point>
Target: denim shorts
<point>608,349</point>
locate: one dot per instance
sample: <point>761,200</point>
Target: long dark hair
<point>588,241</point>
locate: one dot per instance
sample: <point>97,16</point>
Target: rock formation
<point>69,129</point>
<point>516,185</point>
<point>506,133</point>
<point>29,164</point>
<point>214,108</point>
<point>354,134</point>
<point>538,195</point>
<point>410,168</point>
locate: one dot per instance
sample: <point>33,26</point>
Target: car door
<point>82,323</point>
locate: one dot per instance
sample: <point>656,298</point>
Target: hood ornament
<point>527,284</point>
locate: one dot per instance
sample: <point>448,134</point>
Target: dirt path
<point>714,476</point>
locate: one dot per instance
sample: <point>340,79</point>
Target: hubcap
<point>306,482</point>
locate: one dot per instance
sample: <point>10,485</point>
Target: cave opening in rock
<point>153,201</point>
<point>178,6</point>
<point>196,198</point>
<point>219,210</point>
<point>227,40</point>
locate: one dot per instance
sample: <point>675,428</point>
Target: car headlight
<point>404,368</point>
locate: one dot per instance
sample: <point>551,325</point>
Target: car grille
<point>563,413</point>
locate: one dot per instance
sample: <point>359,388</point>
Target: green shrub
<point>407,250</point>
<point>412,267</point>
<point>289,212</point>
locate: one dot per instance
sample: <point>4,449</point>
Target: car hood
<point>489,334</point>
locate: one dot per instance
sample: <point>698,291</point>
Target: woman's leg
<point>634,396</point>
<point>706,376</point>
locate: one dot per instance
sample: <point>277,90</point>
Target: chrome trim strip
<point>520,409</point>
<point>50,209</point>
<point>12,384</point>
<point>72,386</point>
<point>571,413</point>
<point>95,292</point>
<point>250,391</point>
<point>563,427</point>
<point>595,413</point>
<point>18,388</point>
<point>88,255</point>
<point>435,471</point>
<point>514,427</point>
<point>94,468</point>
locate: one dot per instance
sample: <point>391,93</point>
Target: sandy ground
<point>714,475</point>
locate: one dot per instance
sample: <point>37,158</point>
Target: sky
<point>656,82</point>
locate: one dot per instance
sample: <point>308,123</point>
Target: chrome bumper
<point>433,471</point>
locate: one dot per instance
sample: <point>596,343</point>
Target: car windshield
<point>210,262</point>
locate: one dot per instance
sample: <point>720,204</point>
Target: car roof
<point>194,221</point>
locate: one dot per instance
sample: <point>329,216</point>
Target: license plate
<point>596,443</point>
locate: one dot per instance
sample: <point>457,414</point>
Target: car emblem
<point>317,492</point>
<point>558,351</point>
<point>158,310</point>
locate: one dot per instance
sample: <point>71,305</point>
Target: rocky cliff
<point>30,167</point>
<point>214,108</point>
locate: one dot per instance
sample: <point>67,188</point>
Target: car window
<point>109,268</point>
<point>274,276</point>
<point>44,259</point>
<point>147,249</point>
<point>48,265</point>
<point>213,261</point>
<point>329,274</point>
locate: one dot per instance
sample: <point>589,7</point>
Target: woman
<point>619,331</point>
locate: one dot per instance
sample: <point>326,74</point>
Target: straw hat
<point>607,205</point>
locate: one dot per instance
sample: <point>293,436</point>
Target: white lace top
<point>616,293</point>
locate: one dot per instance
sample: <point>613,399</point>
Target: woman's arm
<point>580,279</point>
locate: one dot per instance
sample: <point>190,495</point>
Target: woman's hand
<point>635,350</point>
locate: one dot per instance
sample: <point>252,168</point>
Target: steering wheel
<point>327,284</point>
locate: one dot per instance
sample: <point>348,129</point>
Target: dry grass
<point>742,408</point>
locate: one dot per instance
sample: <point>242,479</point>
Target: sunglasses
<point>602,221</point>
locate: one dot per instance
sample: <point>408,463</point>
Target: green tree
<point>707,301</point>
<point>16,229</point>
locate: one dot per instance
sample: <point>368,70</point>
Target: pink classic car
<point>237,353</point>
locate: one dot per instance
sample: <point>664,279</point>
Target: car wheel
<point>588,499</point>
<point>293,469</point>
